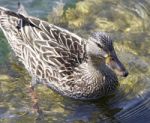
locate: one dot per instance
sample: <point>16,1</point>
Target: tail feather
<point>8,19</point>
<point>21,9</point>
<point>16,27</point>
<point>9,22</point>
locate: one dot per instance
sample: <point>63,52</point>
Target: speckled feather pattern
<point>55,57</point>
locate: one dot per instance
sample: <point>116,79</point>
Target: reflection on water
<point>127,22</point>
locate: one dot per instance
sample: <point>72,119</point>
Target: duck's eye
<point>99,45</point>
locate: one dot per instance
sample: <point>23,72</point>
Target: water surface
<point>129,25</point>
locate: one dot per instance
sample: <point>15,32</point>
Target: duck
<point>72,66</point>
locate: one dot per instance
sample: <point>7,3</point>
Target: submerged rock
<point>105,15</point>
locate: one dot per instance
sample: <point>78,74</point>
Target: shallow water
<point>127,22</point>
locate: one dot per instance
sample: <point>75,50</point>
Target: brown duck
<point>72,66</point>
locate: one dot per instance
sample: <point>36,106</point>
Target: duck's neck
<point>100,77</point>
<point>97,68</point>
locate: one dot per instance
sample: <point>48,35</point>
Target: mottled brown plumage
<point>65,62</point>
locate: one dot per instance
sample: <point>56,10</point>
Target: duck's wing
<point>55,46</point>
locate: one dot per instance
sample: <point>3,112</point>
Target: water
<point>34,7</point>
<point>127,22</point>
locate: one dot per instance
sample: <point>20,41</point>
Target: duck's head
<point>101,46</point>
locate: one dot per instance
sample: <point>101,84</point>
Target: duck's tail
<point>10,24</point>
<point>8,18</point>
<point>21,9</point>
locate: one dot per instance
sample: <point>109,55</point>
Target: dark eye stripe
<point>99,45</point>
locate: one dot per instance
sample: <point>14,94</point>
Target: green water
<point>127,22</point>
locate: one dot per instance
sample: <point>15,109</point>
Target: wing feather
<point>54,46</point>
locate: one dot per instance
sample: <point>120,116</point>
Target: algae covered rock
<point>105,15</point>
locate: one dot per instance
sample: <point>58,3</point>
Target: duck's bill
<point>121,73</point>
<point>117,67</point>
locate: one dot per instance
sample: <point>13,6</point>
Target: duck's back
<point>48,52</point>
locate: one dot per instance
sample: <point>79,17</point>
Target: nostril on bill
<point>125,74</point>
